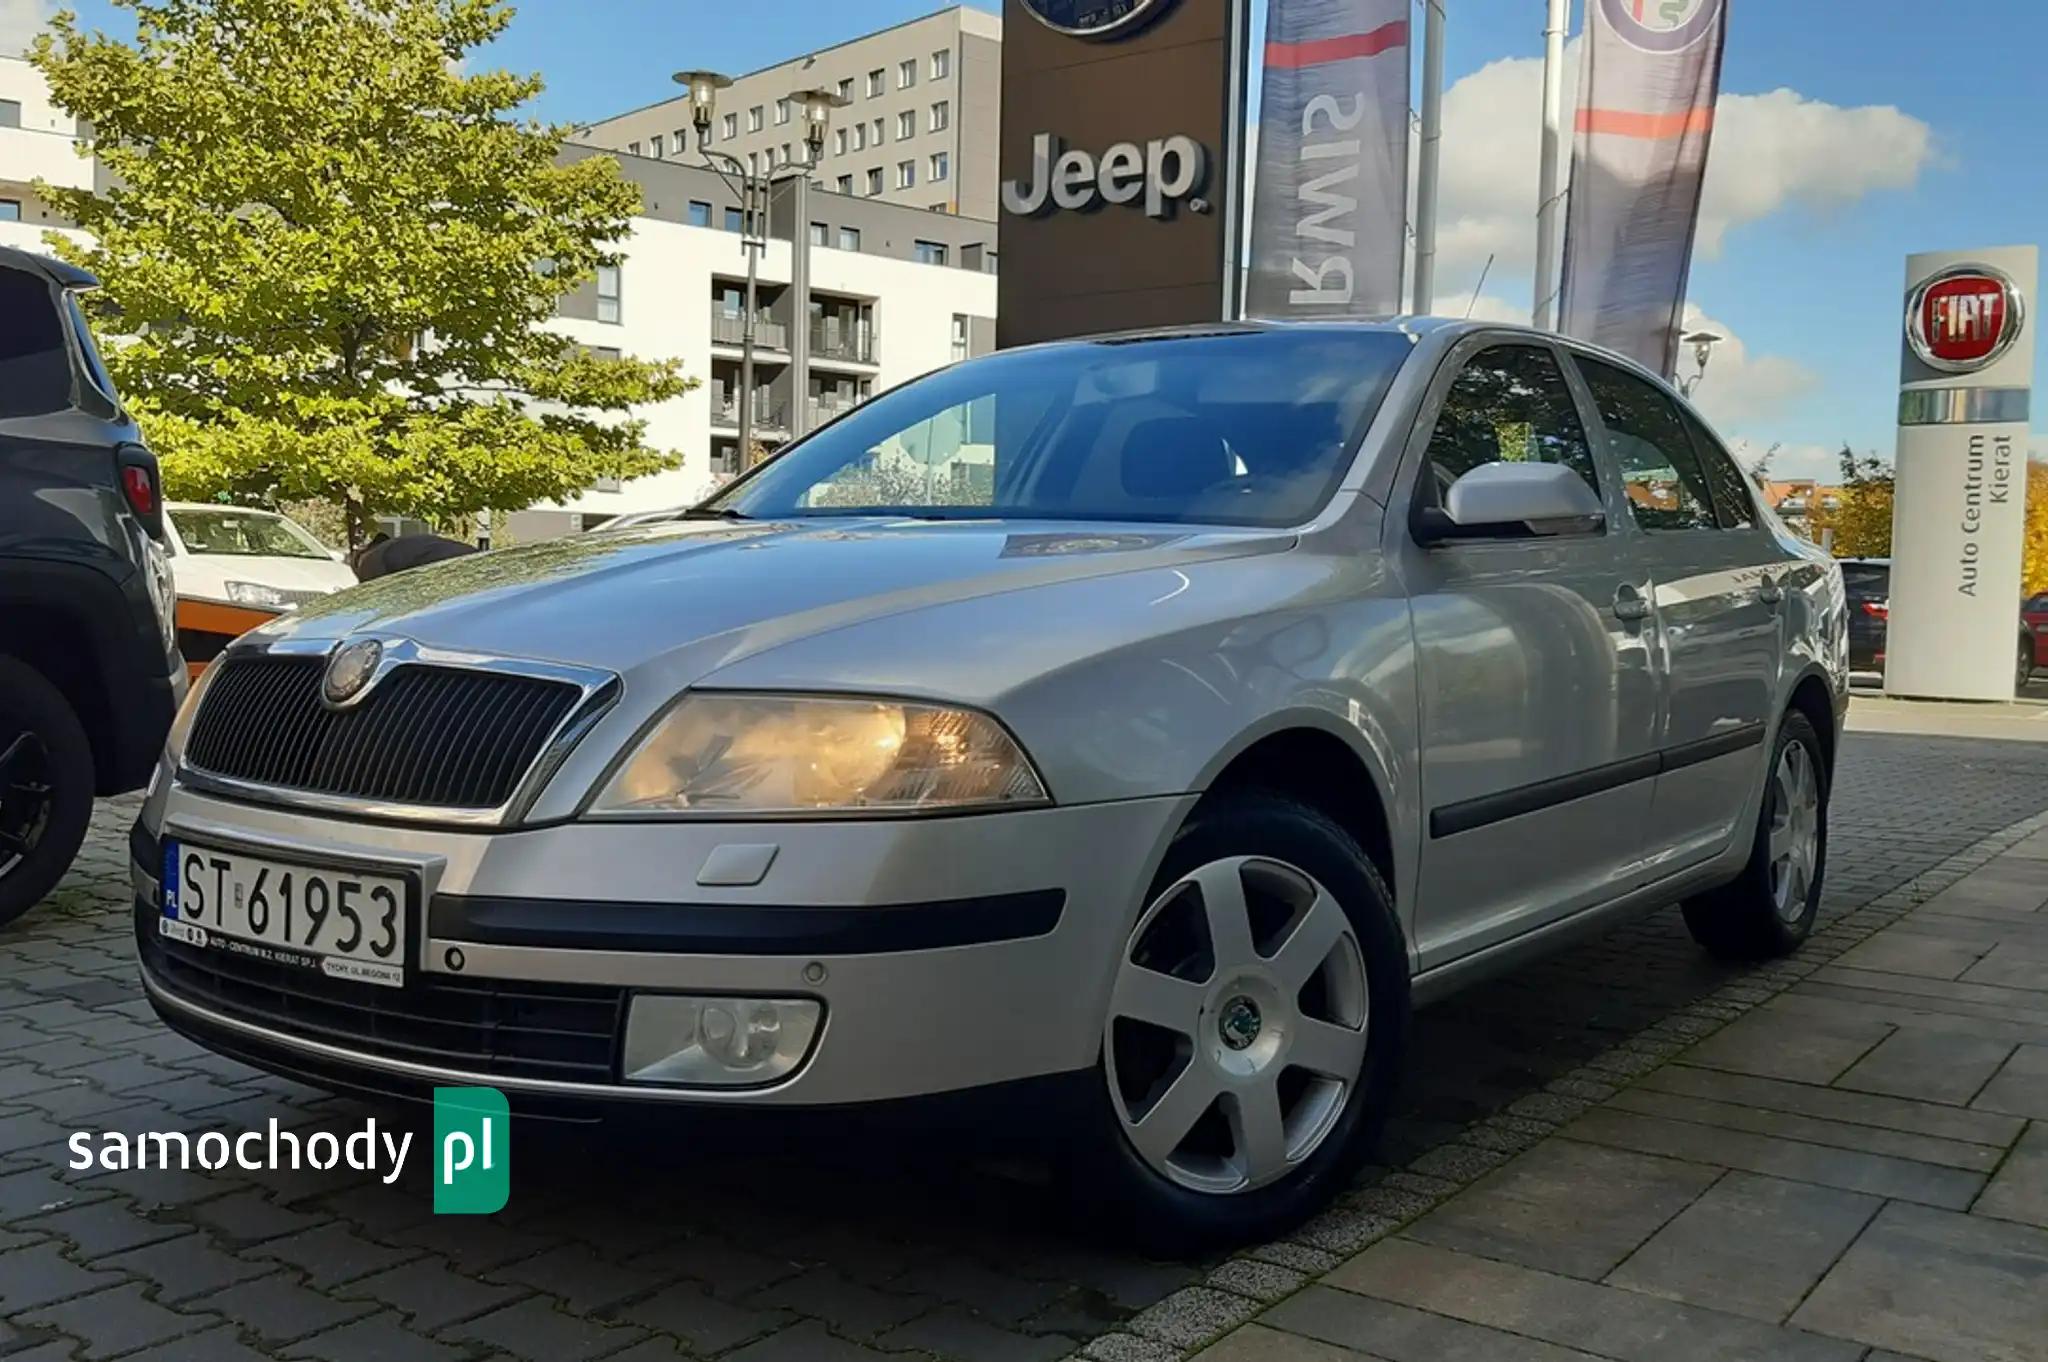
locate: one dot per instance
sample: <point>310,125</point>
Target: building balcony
<point>34,154</point>
<point>731,329</point>
<point>824,407</point>
<point>845,341</point>
<point>725,409</point>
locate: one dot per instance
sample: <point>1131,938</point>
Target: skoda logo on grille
<point>350,669</point>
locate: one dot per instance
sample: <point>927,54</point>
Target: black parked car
<point>89,668</point>
<point>1869,584</point>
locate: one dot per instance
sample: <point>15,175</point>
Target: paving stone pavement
<point>763,1244</point>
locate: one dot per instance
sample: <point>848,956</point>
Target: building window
<point>941,166</point>
<point>679,141</point>
<point>846,184</point>
<point>781,112</point>
<point>876,130</point>
<point>906,125</point>
<point>735,220</point>
<point>754,119</point>
<point>786,158</point>
<point>849,238</point>
<point>753,163</point>
<point>839,142</point>
<point>988,263</point>
<point>10,210</point>
<point>608,293</point>
<point>906,74</point>
<point>942,63</point>
<point>10,113</point>
<point>942,116</point>
<point>929,252</point>
<point>877,82</point>
<point>817,234</point>
<point>860,137</point>
<point>732,126</point>
<point>959,336</point>
<point>656,147</point>
<point>700,213</point>
<point>906,174</point>
<point>846,88</point>
<point>875,180</point>
<point>632,148</point>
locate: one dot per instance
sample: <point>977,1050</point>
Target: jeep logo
<point>1163,172</point>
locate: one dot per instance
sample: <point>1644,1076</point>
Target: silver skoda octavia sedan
<point>1155,719</point>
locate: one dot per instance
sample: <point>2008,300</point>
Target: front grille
<point>447,737</point>
<point>566,1032</point>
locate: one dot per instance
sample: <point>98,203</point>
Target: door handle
<point>1630,604</point>
<point>1769,592</point>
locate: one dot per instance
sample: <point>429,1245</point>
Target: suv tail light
<point>1880,610</point>
<point>142,483</point>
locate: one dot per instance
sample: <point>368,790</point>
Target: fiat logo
<point>350,669</point>
<point>1964,318</point>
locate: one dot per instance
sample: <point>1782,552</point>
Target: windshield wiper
<point>709,513</point>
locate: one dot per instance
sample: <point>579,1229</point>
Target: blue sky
<point>1888,142</point>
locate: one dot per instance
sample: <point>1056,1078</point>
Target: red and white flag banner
<point>1648,83</point>
<point>1329,209</point>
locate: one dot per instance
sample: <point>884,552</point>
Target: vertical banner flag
<point>1651,73</point>
<point>1329,209</point>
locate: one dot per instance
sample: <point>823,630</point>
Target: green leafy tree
<point>329,251</point>
<point>1863,521</point>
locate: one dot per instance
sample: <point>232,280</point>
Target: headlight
<point>181,726</point>
<point>256,594</point>
<point>793,754</point>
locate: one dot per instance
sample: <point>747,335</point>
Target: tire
<point>1749,918</point>
<point>46,788</point>
<point>1282,853</point>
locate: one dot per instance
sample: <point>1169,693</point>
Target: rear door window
<point>1731,490</point>
<point>1667,489</point>
<point>35,365</point>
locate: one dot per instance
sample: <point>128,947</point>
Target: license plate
<point>347,924</point>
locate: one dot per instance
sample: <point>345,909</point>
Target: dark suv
<point>89,668</point>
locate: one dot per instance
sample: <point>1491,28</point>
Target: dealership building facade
<point>896,289</point>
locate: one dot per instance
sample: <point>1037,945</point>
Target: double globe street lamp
<point>753,189</point>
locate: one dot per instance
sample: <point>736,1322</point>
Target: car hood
<point>617,600</point>
<point>207,574</point>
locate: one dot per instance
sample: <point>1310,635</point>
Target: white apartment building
<point>895,292</point>
<point>923,102</point>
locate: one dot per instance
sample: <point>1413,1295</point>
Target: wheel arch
<point>1812,697</point>
<point>1311,757</point>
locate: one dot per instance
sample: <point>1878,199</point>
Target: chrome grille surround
<point>592,692</point>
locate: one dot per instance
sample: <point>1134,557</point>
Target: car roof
<point>222,506</point>
<point>49,267</point>
<point>1445,330</point>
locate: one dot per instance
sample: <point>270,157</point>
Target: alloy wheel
<point>1237,1025</point>
<point>26,796</point>
<point>1795,830</point>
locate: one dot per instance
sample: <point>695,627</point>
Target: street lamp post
<point>753,191</point>
<point>817,106</point>
<point>1702,343</point>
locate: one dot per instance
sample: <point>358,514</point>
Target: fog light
<point>721,1042</point>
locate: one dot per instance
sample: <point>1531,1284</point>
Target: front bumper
<point>947,953</point>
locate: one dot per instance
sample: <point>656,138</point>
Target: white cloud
<point>20,21</point>
<point>1740,388</point>
<point>1771,151</point>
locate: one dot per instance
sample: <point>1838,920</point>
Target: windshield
<point>1241,428</point>
<point>244,534</point>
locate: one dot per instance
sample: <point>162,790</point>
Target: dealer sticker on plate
<point>345,923</point>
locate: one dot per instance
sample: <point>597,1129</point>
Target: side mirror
<point>1516,499</point>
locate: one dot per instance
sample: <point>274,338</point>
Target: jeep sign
<point>1120,165</point>
<point>1163,172</point>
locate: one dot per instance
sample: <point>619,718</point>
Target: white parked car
<point>236,567</point>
